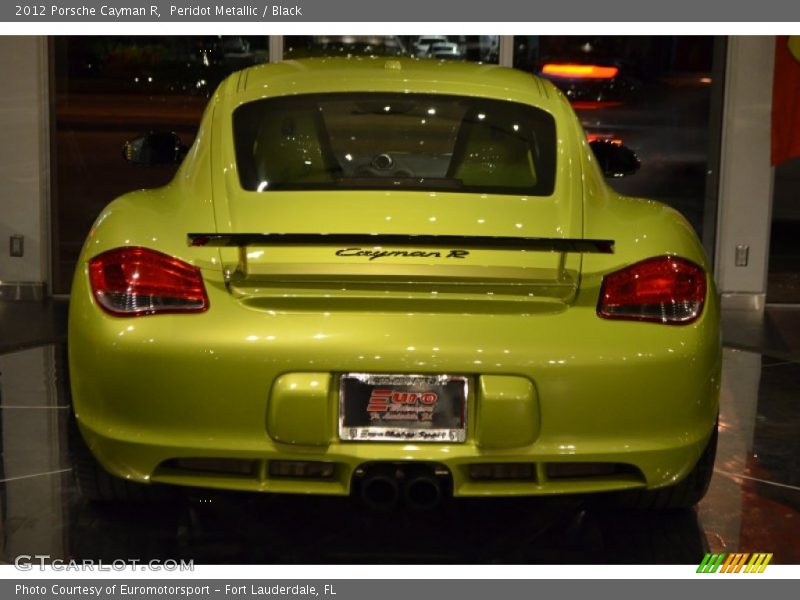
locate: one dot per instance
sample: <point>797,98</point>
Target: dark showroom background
<point>709,120</point>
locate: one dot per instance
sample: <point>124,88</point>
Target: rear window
<point>392,141</point>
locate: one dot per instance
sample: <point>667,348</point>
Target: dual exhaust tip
<point>384,486</point>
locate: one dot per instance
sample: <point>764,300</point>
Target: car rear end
<point>482,314</point>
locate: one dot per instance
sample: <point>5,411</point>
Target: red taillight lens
<point>137,281</point>
<point>663,290</point>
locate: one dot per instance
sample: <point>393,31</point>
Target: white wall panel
<point>23,149</point>
<point>745,174</point>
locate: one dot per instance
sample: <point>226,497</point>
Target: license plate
<point>391,408</point>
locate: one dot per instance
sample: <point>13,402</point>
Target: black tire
<point>684,494</point>
<point>95,484</point>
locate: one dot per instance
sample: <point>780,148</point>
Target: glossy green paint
<point>507,412</point>
<point>300,408</point>
<point>218,384</point>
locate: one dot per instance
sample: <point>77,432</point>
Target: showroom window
<point>783,277</point>
<point>110,89</point>
<point>656,95</point>
<point>449,47</point>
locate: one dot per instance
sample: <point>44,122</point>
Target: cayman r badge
<point>376,253</point>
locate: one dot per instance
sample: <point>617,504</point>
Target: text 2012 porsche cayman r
<point>404,279</point>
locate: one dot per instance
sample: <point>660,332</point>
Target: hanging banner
<point>786,100</point>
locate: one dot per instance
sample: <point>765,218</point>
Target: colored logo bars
<point>734,563</point>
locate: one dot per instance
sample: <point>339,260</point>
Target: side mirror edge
<point>155,149</point>
<point>615,160</point>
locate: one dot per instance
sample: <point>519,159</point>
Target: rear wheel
<point>685,494</point>
<point>95,483</point>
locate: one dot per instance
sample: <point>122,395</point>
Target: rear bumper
<point>146,462</point>
<point>154,389</point>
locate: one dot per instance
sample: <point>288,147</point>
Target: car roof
<point>318,75</point>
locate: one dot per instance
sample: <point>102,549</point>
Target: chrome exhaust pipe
<point>380,490</point>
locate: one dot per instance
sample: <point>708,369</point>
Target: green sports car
<point>403,279</point>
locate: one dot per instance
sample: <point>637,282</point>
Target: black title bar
<point>360,11</point>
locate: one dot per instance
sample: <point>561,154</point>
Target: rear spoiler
<point>241,240</point>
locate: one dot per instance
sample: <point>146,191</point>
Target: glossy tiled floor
<point>753,504</point>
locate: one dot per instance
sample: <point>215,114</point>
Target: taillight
<point>135,281</point>
<point>666,289</point>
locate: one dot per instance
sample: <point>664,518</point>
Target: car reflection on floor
<point>242,529</point>
<point>753,503</point>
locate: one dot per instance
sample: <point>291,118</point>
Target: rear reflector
<point>665,289</point>
<point>502,471</point>
<point>301,469</point>
<point>576,71</point>
<point>134,281</point>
